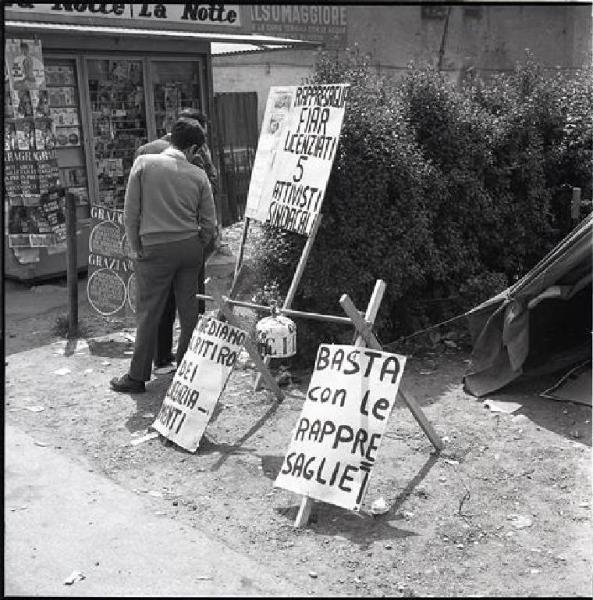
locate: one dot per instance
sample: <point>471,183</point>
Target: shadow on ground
<point>572,421</point>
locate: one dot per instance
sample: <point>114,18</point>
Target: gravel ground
<point>505,510</point>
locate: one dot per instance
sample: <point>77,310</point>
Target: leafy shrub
<point>447,193</point>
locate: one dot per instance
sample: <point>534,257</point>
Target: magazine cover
<point>22,104</point>
<point>25,134</point>
<point>40,102</point>
<point>44,134</point>
<point>10,139</point>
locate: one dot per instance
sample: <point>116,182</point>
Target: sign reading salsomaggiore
<point>295,153</point>
<point>111,278</point>
<point>325,24</point>
<point>199,382</point>
<point>335,442</point>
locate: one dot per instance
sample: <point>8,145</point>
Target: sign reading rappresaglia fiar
<point>199,382</point>
<point>335,442</point>
<point>295,153</point>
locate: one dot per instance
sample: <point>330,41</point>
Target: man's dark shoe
<point>126,384</point>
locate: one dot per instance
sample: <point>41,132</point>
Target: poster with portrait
<point>24,64</point>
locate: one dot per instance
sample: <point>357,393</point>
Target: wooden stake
<point>249,345</point>
<point>72,266</point>
<point>239,263</point>
<point>365,331</point>
<point>575,205</point>
<point>371,313</point>
<point>296,279</point>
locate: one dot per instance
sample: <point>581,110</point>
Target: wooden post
<point>371,313</point>
<point>575,206</point>
<point>249,345</point>
<point>366,332</point>
<point>296,279</point>
<point>71,266</point>
<point>239,262</point>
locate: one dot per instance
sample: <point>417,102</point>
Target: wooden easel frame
<point>224,309</point>
<point>364,337</point>
<point>302,517</point>
<point>296,280</point>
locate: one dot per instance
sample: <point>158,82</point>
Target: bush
<point>448,194</point>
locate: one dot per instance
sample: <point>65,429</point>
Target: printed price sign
<point>295,153</point>
<point>198,382</point>
<point>335,442</point>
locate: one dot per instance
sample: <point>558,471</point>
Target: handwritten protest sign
<point>335,442</point>
<point>199,382</point>
<point>296,149</point>
<point>110,267</point>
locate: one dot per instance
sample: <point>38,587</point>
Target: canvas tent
<point>542,323</point>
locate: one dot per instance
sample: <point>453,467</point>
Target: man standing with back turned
<point>169,217</point>
<point>202,159</point>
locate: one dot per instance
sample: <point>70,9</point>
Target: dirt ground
<point>504,510</point>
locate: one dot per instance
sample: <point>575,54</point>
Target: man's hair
<point>193,113</point>
<point>187,132</point>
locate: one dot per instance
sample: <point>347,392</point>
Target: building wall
<point>258,71</point>
<point>491,37</point>
<point>488,38</point>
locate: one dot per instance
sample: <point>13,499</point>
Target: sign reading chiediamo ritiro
<point>295,153</point>
<point>198,382</point>
<point>335,442</point>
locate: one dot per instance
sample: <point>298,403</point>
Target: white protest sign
<point>295,152</point>
<point>199,382</point>
<point>337,437</point>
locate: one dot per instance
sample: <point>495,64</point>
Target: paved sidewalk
<point>60,517</point>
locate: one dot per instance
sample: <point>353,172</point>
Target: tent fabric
<point>574,386</point>
<point>500,326</point>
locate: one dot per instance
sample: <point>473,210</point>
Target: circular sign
<point>132,292</point>
<point>106,239</point>
<point>106,292</point>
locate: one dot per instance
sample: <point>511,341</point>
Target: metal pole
<point>283,311</point>
<point>72,266</point>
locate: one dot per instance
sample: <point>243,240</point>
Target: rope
<point>401,340</point>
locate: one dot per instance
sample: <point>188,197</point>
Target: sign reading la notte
<point>204,13</point>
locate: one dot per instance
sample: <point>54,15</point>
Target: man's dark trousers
<point>162,267</point>
<point>164,344</point>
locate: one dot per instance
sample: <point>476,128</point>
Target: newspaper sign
<point>295,152</point>
<point>337,437</point>
<point>199,382</point>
